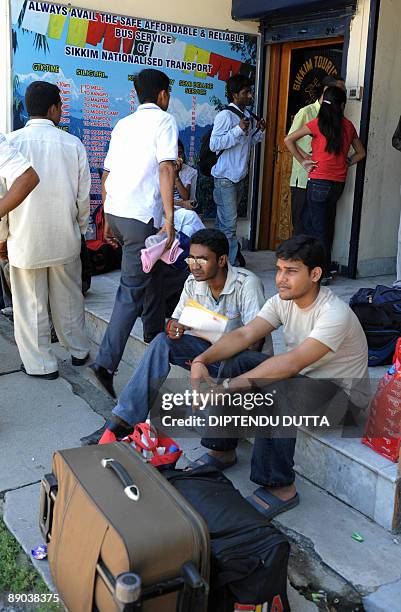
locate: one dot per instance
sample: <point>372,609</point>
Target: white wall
<point>215,14</point>
<point>381,204</point>
<point>354,77</point>
<point>5,68</point>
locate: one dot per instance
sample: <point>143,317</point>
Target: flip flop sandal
<point>270,505</point>
<point>207,459</point>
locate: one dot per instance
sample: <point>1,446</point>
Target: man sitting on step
<point>234,292</point>
<point>324,370</point>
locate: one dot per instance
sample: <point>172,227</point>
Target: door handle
<point>276,153</point>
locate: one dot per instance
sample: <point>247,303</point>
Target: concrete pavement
<point>38,417</point>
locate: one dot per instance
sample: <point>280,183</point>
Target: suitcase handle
<point>130,488</point>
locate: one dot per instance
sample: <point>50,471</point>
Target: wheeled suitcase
<point>120,537</point>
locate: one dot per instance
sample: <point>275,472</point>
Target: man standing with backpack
<point>235,130</point>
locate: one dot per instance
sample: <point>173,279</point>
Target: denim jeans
<point>132,234</point>
<point>319,214</point>
<point>273,458</point>
<point>227,196</point>
<point>298,201</point>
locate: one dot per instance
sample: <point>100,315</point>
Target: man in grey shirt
<point>214,284</point>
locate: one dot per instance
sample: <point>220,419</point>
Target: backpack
<point>249,556</point>
<point>103,257</point>
<point>379,313</point>
<point>208,158</point>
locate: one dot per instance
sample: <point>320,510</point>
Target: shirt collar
<point>317,105</point>
<point>202,288</point>
<point>40,122</point>
<point>148,105</point>
<point>238,108</point>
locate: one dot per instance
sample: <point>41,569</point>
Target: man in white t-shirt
<point>138,182</point>
<point>326,363</point>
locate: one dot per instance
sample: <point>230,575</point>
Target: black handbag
<point>249,556</point>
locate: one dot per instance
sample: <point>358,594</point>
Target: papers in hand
<point>204,322</point>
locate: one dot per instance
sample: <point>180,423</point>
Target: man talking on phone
<point>235,131</point>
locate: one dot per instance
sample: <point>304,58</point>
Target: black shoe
<point>49,376</point>
<point>94,437</point>
<point>104,377</point>
<point>76,361</point>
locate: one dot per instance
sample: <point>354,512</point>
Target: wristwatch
<point>226,383</point>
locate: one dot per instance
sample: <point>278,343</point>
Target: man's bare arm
<point>19,190</point>
<point>167,177</point>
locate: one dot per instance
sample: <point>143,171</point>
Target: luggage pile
<point>123,536</point>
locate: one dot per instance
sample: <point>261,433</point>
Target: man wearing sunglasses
<point>214,284</point>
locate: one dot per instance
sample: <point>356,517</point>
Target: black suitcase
<point>120,536</point>
<point>249,556</point>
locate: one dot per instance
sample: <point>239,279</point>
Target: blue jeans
<point>132,234</point>
<point>227,196</point>
<point>272,459</point>
<point>319,215</point>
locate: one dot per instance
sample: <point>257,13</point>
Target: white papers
<point>35,21</point>
<point>204,322</point>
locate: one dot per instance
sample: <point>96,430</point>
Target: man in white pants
<point>44,239</point>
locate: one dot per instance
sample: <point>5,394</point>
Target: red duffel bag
<point>383,429</point>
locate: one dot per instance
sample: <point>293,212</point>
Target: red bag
<point>385,413</point>
<point>102,255</point>
<point>145,438</point>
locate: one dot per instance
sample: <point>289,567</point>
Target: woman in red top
<point>332,136</point>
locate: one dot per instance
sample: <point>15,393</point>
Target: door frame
<point>277,108</point>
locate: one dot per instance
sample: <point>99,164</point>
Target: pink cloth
<point>150,256</point>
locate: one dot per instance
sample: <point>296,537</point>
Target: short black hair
<point>181,144</point>
<point>40,96</point>
<point>303,248</point>
<point>213,239</point>
<point>235,84</point>
<point>149,83</point>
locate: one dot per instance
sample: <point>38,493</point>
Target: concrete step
<point>344,467</point>
<point>324,556</point>
<point>353,473</point>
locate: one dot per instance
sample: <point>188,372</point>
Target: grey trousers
<point>128,304</point>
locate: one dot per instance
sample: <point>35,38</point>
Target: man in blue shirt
<point>234,133</point>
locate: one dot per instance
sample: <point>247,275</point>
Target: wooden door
<point>296,71</point>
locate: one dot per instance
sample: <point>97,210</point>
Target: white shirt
<point>227,136</point>
<point>139,143</point>
<point>187,221</point>
<point>188,176</point>
<point>12,163</point>
<point>45,230</point>
<point>332,322</point>
<point>240,300</point>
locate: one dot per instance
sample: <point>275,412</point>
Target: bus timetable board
<point>93,57</point>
